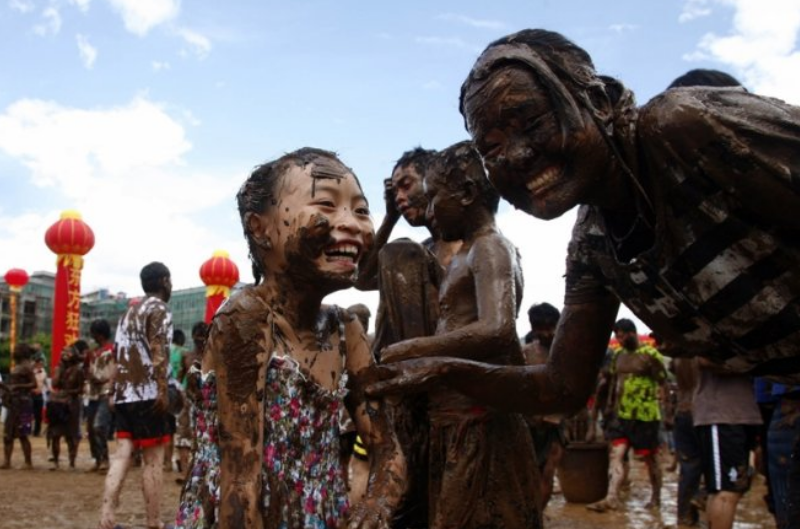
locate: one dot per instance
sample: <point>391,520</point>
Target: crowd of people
<point>688,216</point>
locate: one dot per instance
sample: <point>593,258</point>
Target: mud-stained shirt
<point>142,350</point>
<point>101,368</point>
<point>719,272</point>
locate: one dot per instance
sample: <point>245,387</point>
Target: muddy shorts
<point>726,456</point>
<point>642,436</point>
<point>142,424</point>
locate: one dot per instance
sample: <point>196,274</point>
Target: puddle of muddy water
<point>751,514</point>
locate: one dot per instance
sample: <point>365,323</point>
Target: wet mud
<point>71,499</point>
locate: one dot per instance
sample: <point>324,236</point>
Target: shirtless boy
<point>483,470</point>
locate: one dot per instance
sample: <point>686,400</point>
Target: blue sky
<point>146,115</point>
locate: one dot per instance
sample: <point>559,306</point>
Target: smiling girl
<point>279,366</point>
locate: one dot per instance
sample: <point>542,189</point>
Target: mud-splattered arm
<point>562,385</point>
<point>368,267</point>
<point>387,481</point>
<point>157,334</point>
<point>237,351</point>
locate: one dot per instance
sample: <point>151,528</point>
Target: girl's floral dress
<point>303,479</point>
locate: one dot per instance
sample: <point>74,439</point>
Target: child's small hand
<point>409,376</point>
<point>394,353</point>
<point>388,198</point>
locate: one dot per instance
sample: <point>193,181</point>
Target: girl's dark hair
<point>259,192</point>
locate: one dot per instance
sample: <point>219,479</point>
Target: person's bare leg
<point>26,451</point>
<point>55,446</point>
<point>168,451</point>
<point>654,471</point>
<point>617,473</point>
<point>72,448</point>
<point>152,481</point>
<point>120,463</point>
<point>183,459</point>
<point>721,509</point>
<point>8,450</point>
<point>554,456</point>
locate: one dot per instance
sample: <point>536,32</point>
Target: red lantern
<point>70,238</point>
<point>16,279</point>
<point>219,274</point>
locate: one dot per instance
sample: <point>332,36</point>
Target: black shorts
<point>726,456</point>
<point>642,436</point>
<point>142,424</point>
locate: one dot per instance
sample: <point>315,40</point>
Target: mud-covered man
<point>636,374</point>
<point>140,393</point>
<point>547,431</point>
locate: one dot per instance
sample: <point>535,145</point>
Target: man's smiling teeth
<point>342,251</point>
<point>543,180</point>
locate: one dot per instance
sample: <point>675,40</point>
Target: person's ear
<point>469,193</point>
<point>259,228</point>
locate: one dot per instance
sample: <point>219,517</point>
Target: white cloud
<point>83,5</point>
<point>198,45</point>
<point>88,53</point>
<point>51,23</point>
<point>760,46</point>
<point>622,28</point>
<point>123,168</point>
<point>693,9</point>
<point>22,6</point>
<point>159,66</point>
<point>140,16</point>
<point>72,147</point>
<point>473,22</point>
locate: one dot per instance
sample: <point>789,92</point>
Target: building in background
<point>35,307</point>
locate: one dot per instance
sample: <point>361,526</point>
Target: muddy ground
<point>70,499</point>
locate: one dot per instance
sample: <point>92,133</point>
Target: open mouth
<point>343,251</point>
<point>543,180</point>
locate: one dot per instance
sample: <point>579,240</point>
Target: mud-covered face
<point>320,226</point>
<point>527,158</point>
<point>445,209</point>
<point>408,194</point>
<point>199,340</point>
<point>628,339</point>
<point>544,333</point>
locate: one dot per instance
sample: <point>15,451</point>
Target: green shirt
<point>637,392</point>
